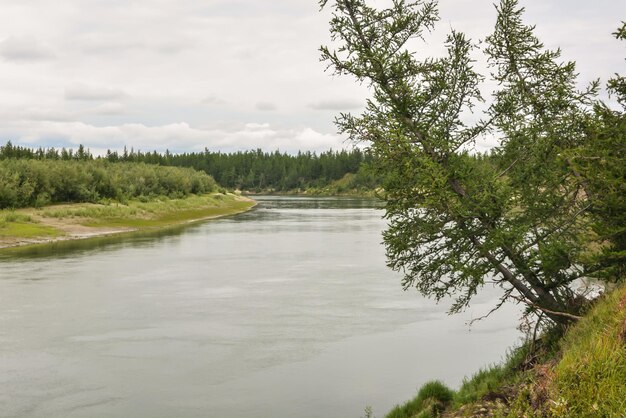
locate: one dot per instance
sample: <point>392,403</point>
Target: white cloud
<point>127,69</point>
<point>88,93</point>
<point>213,100</point>
<point>337,105</point>
<point>176,136</point>
<point>24,49</point>
<point>265,106</point>
<point>257,126</point>
<point>108,108</point>
<point>114,43</point>
<point>38,113</point>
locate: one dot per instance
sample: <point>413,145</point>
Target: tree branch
<point>548,311</point>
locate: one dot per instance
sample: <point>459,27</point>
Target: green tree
<point>516,219</point>
<point>600,169</point>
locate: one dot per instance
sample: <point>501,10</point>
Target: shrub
<point>431,400</point>
<point>40,182</point>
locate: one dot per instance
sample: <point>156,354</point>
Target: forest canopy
<point>29,182</point>
<point>253,170</point>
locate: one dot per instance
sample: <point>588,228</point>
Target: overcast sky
<point>223,74</point>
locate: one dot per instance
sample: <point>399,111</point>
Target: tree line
<point>28,182</point>
<point>253,170</point>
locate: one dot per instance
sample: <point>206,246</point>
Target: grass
<point>156,212</point>
<point>20,225</point>
<point>495,379</point>
<point>590,379</point>
<point>484,382</point>
<point>579,374</point>
<point>432,398</point>
<point>28,230</point>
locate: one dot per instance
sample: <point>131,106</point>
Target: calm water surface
<point>285,311</point>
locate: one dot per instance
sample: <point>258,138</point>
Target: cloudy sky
<point>223,74</point>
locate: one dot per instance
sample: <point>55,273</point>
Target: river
<point>284,311</point>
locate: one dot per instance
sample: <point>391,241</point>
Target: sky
<point>226,75</point>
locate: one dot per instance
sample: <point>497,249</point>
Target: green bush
<point>435,390</point>
<point>25,183</point>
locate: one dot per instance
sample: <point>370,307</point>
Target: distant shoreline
<point>80,221</point>
<point>369,193</point>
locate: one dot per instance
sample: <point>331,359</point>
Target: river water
<point>284,311</point>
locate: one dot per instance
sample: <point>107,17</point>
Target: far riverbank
<point>49,224</point>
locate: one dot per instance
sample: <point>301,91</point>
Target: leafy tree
<point>517,218</point>
<point>600,169</point>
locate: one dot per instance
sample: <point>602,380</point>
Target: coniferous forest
<point>245,170</point>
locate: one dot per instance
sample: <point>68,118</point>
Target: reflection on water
<point>72,248</point>
<point>284,311</point>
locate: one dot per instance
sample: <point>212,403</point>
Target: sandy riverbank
<point>34,226</point>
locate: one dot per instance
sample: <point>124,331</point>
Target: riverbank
<point>32,226</point>
<point>316,192</point>
<point>347,186</point>
<point>580,373</point>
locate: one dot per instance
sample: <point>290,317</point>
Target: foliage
<point>360,184</point>
<point>249,170</point>
<point>617,84</point>
<point>600,170</point>
<point>518,218</point>
<point>432,398</point>
<point>40,182</point>
<point>260,171</point>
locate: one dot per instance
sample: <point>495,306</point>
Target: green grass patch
<point>494,378</point>
<point>19,225</point>
<point>157,212</point>
<point>28,230</point>
<point>432,398</point>
<point>485,381</point>
<point>590,379</point>
<point>90,211</point>
<point>579,374</point>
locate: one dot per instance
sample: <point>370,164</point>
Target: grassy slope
<point>582,374</point>
<point>590,378</point>
<point>55,221</point>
